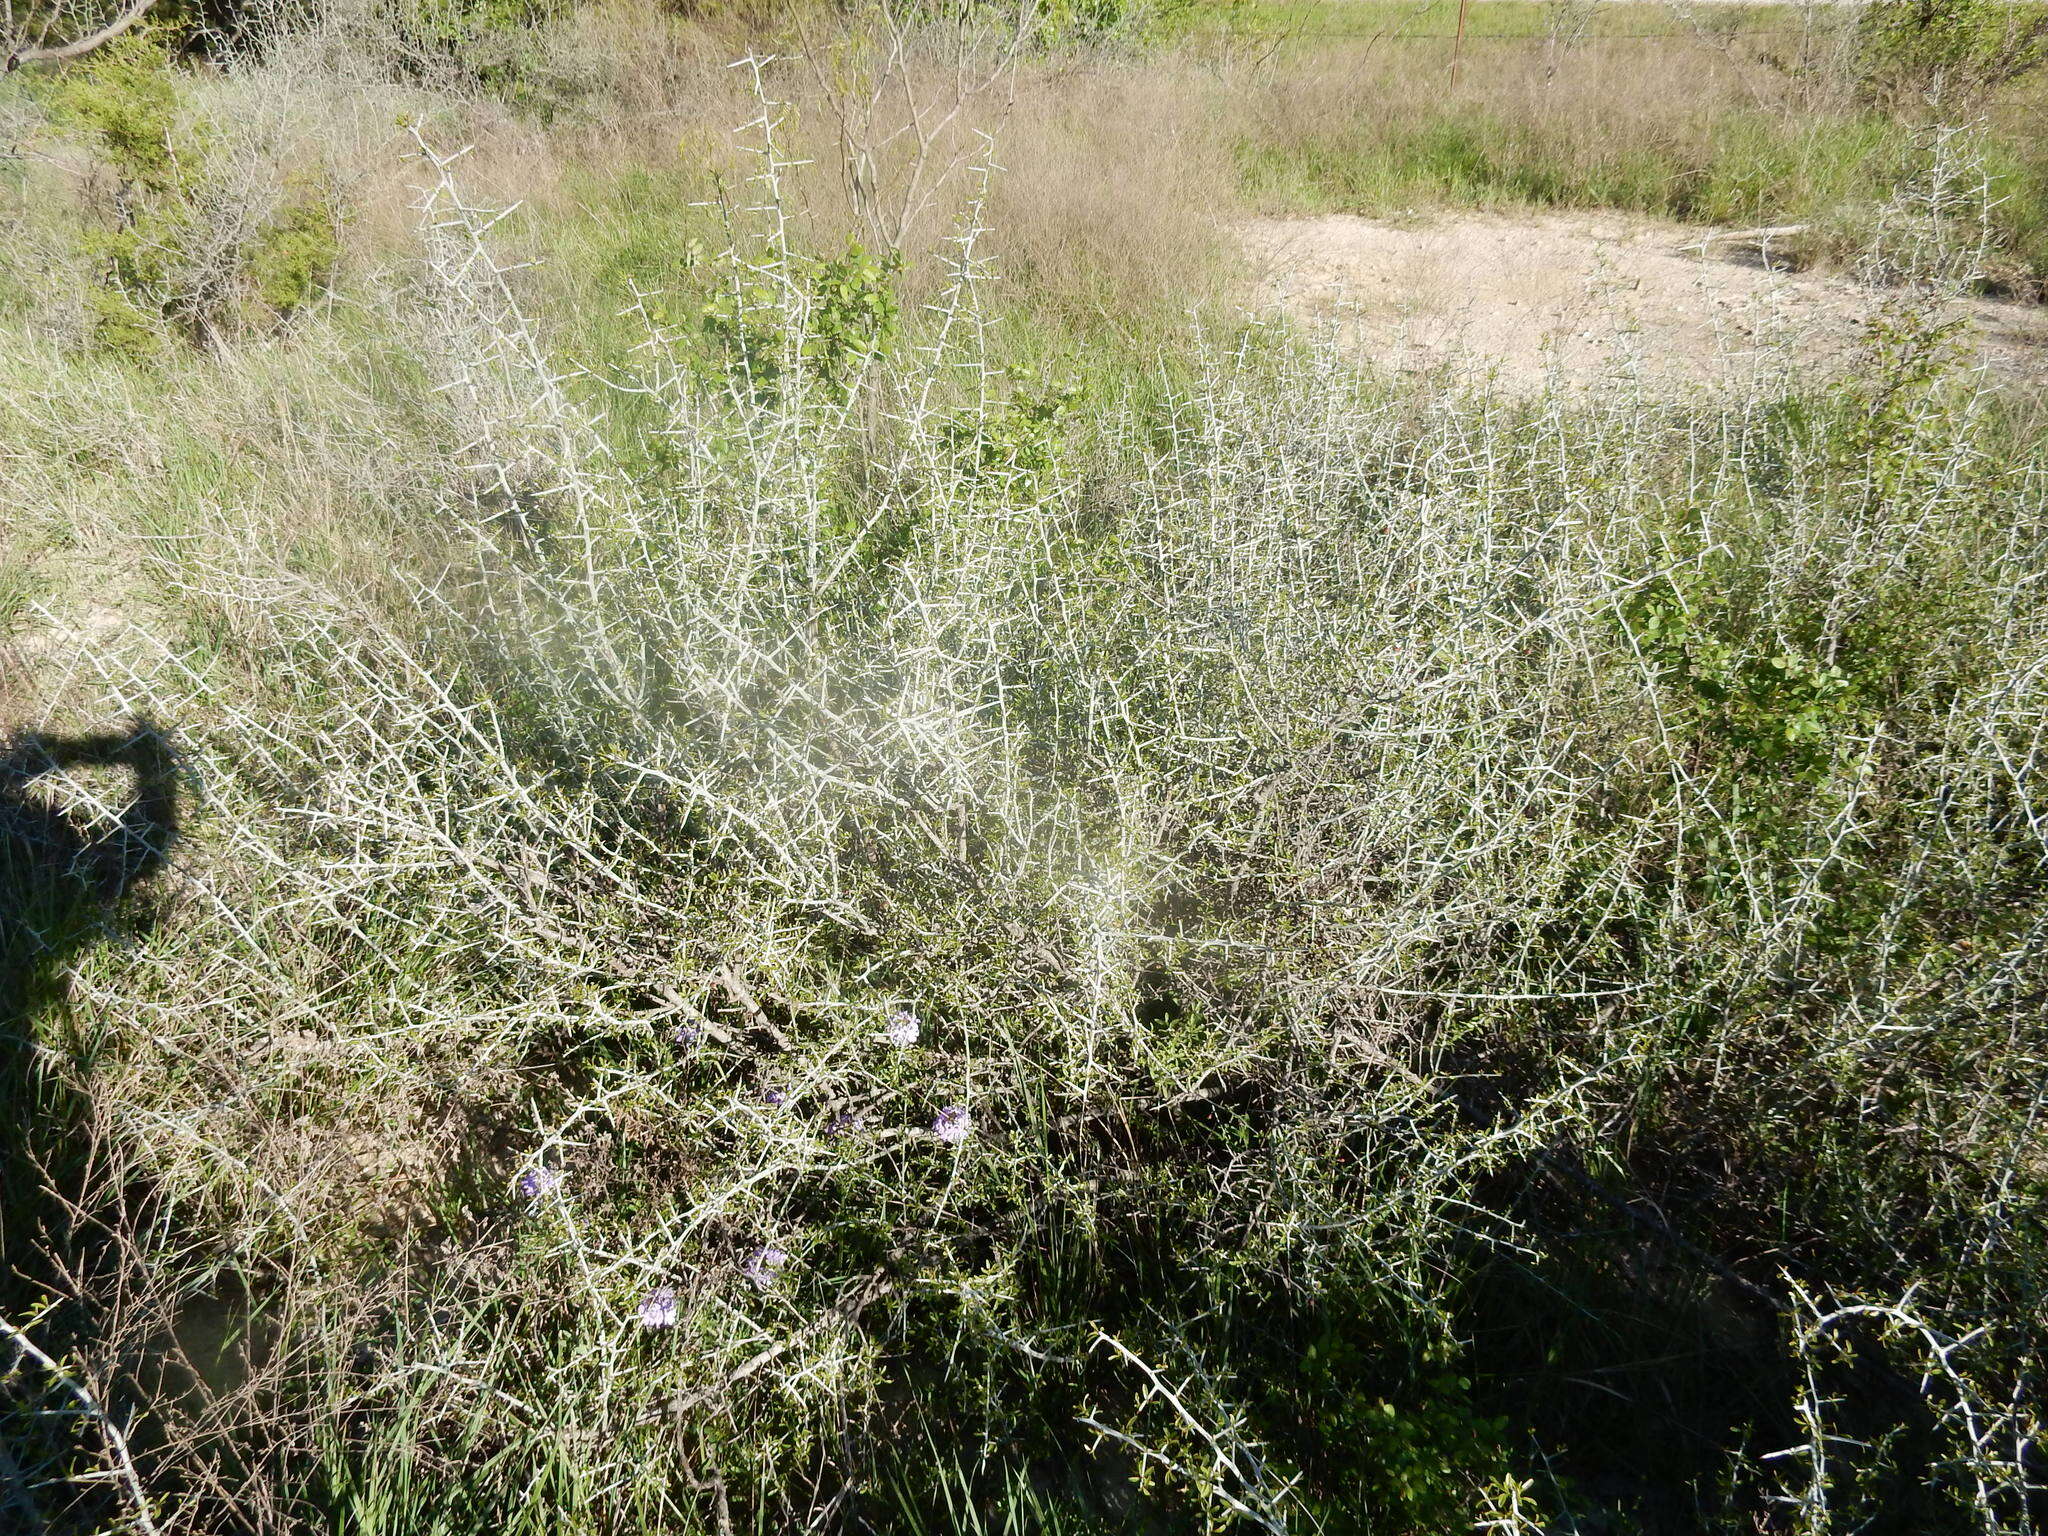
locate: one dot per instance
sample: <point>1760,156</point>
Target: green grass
<point>20,585</point>
<point>1394,21</point>
<point>1757,168</point>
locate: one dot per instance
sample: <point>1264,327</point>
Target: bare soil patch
<point>1582,298</point>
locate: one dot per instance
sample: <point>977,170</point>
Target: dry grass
<point>1122,176</point>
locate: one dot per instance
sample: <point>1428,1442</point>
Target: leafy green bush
<point>127,101</point>
<point>1017,443</point>
<point>845,316</point>
<point>178,258</point>
<point>1773,713</point>
<point>292,259</point>
<point>1951,52</point>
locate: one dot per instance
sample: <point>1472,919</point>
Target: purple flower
<point>538,1181</point>
<point>902,1030</point>
<point>953,1124</point>
<point>774,1098</point>
<point>686,1034</point>
<point>764,1266</point>
<point>658,1308</point>
<point>843,1124</point>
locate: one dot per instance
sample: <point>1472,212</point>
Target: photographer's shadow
<point>68,880</point>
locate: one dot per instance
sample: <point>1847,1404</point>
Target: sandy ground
<point>1585,297</point>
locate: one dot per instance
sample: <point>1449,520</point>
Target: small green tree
<point>1948,51</point>
<point>162,270</point>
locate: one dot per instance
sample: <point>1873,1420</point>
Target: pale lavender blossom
<point>658,1308</point>
<point>843,1124</point>
<point>764,1266</point>
<point>953,1124</point>
<point>686,1034</point>
<point>538,1181</point>
<point>902,1030</point>
<point>774,1098</point>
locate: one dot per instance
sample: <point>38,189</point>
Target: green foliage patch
<point>1917,52</point>
<point>166,272</point>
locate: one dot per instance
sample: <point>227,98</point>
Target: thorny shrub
<point>1189,960</point>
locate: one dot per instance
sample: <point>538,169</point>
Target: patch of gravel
<point>1582,298</point>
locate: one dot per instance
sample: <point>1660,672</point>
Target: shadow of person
<point>66,879</point>
<point>65,883</point>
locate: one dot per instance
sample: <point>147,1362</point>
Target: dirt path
<point>1584,297</point>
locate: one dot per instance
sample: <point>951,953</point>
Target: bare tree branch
<point>19,52</point>
<point>898,155</point>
